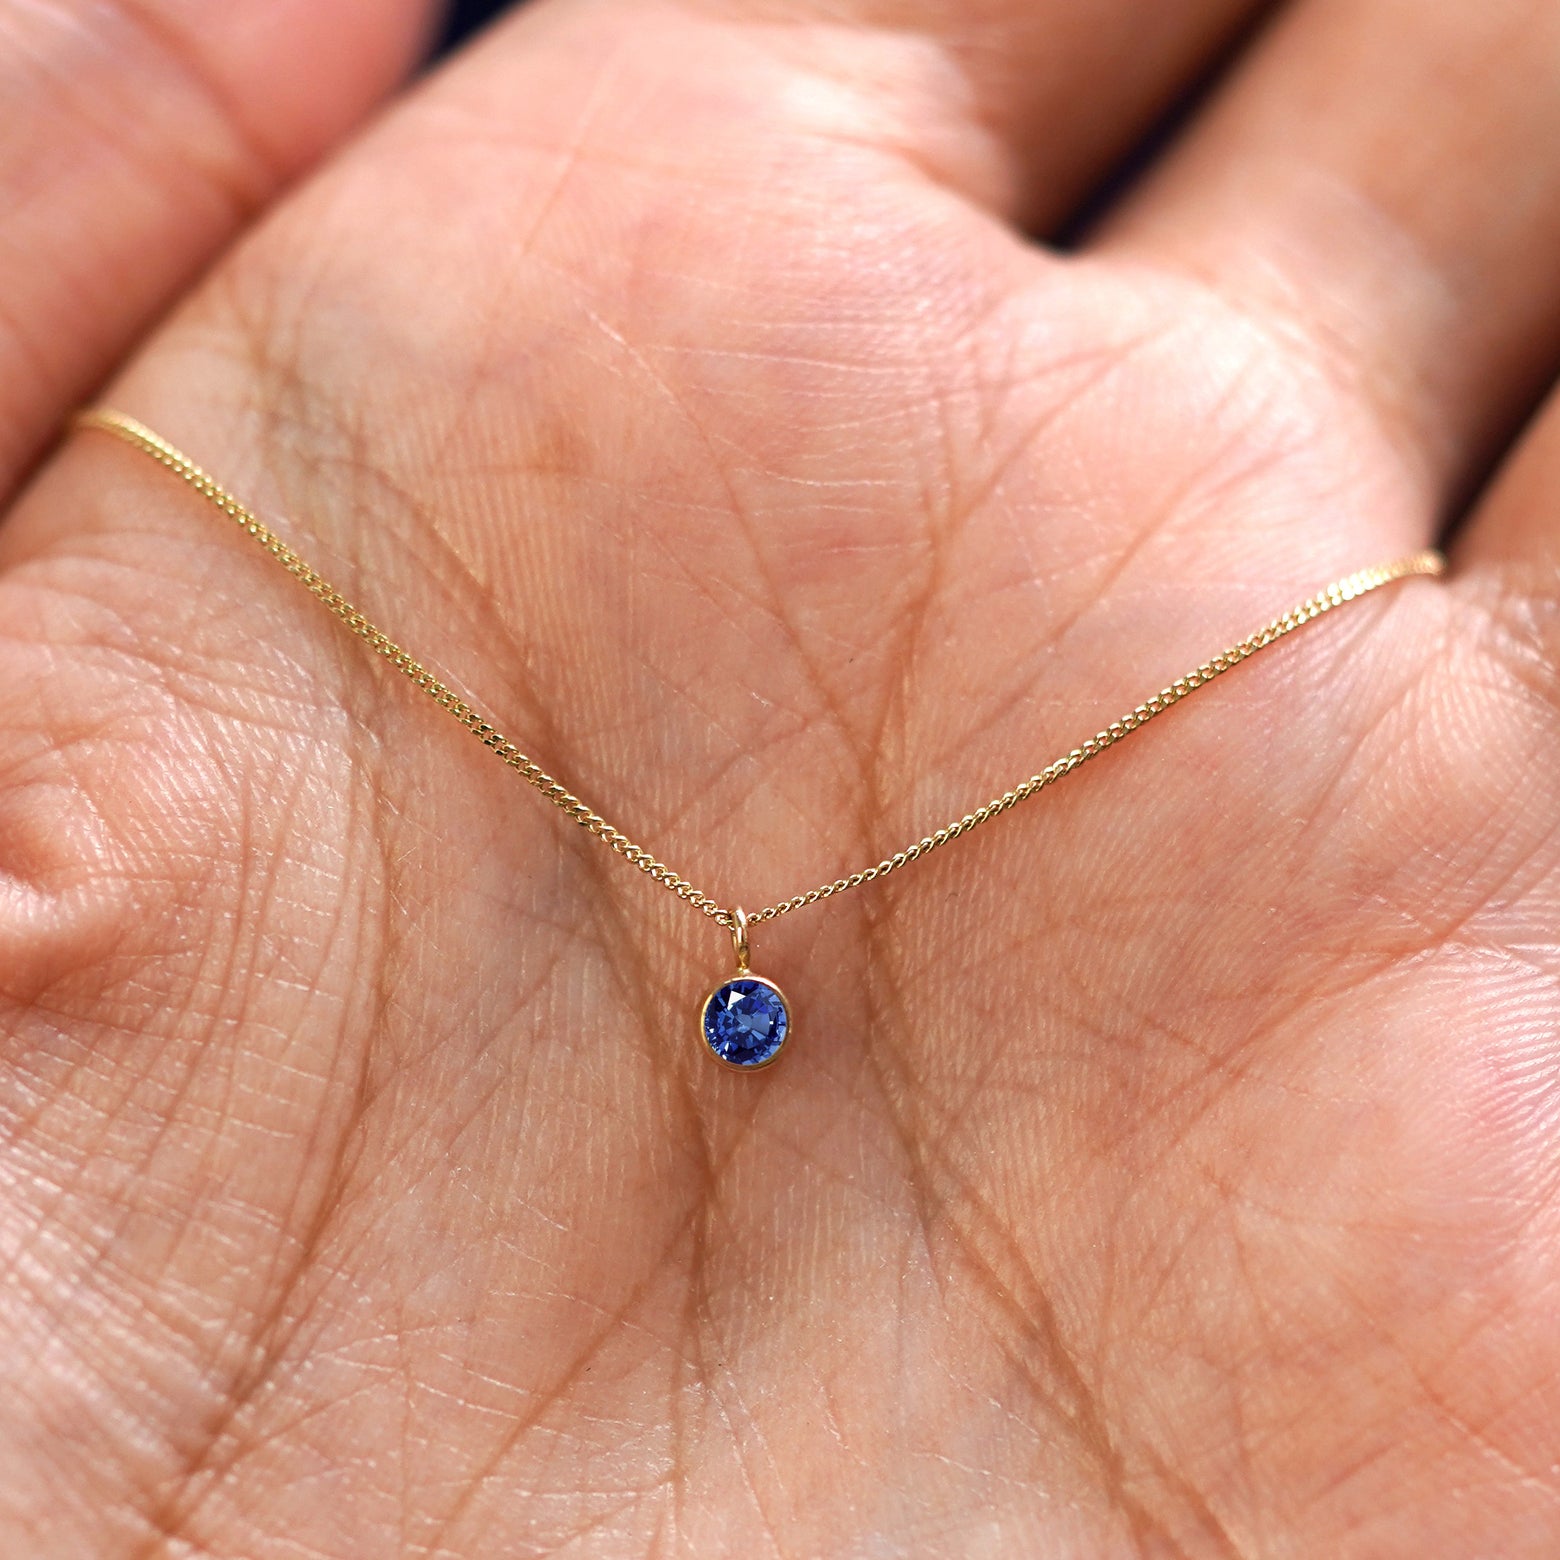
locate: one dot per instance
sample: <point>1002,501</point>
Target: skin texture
<point>1170,1169</point>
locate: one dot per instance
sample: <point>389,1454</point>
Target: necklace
<point>745,1021</point>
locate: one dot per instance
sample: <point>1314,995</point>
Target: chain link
<point>1335,595</point>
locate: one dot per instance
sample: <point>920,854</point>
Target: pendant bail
<point>739,938</point>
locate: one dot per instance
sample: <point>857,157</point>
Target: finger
<point>1055,91</point>
<point>1381,185</point>
<point>138,138</point>
<point>1509,560</point>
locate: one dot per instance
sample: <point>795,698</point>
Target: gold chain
<point>1335,595</point>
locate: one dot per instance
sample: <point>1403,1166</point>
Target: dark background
<point>465,16</point>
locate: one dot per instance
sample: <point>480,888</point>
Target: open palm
<point>1170,1168</point>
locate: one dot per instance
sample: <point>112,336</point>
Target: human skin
<point>1171,1168</point>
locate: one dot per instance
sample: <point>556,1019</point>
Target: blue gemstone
<point>746,1022</point>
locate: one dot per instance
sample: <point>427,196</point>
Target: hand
<point>1169,1168</point>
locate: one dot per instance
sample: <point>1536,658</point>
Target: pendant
<point>746,1020</point>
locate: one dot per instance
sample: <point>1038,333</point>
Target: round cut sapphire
<point>746,1022</point>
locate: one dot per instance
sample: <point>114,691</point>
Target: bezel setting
<point>785,1004</point>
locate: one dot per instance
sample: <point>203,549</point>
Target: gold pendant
<point>746,1020</point>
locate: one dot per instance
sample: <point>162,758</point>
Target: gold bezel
<point>790,1023</point>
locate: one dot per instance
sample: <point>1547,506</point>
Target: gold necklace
<point>745,1021</point>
